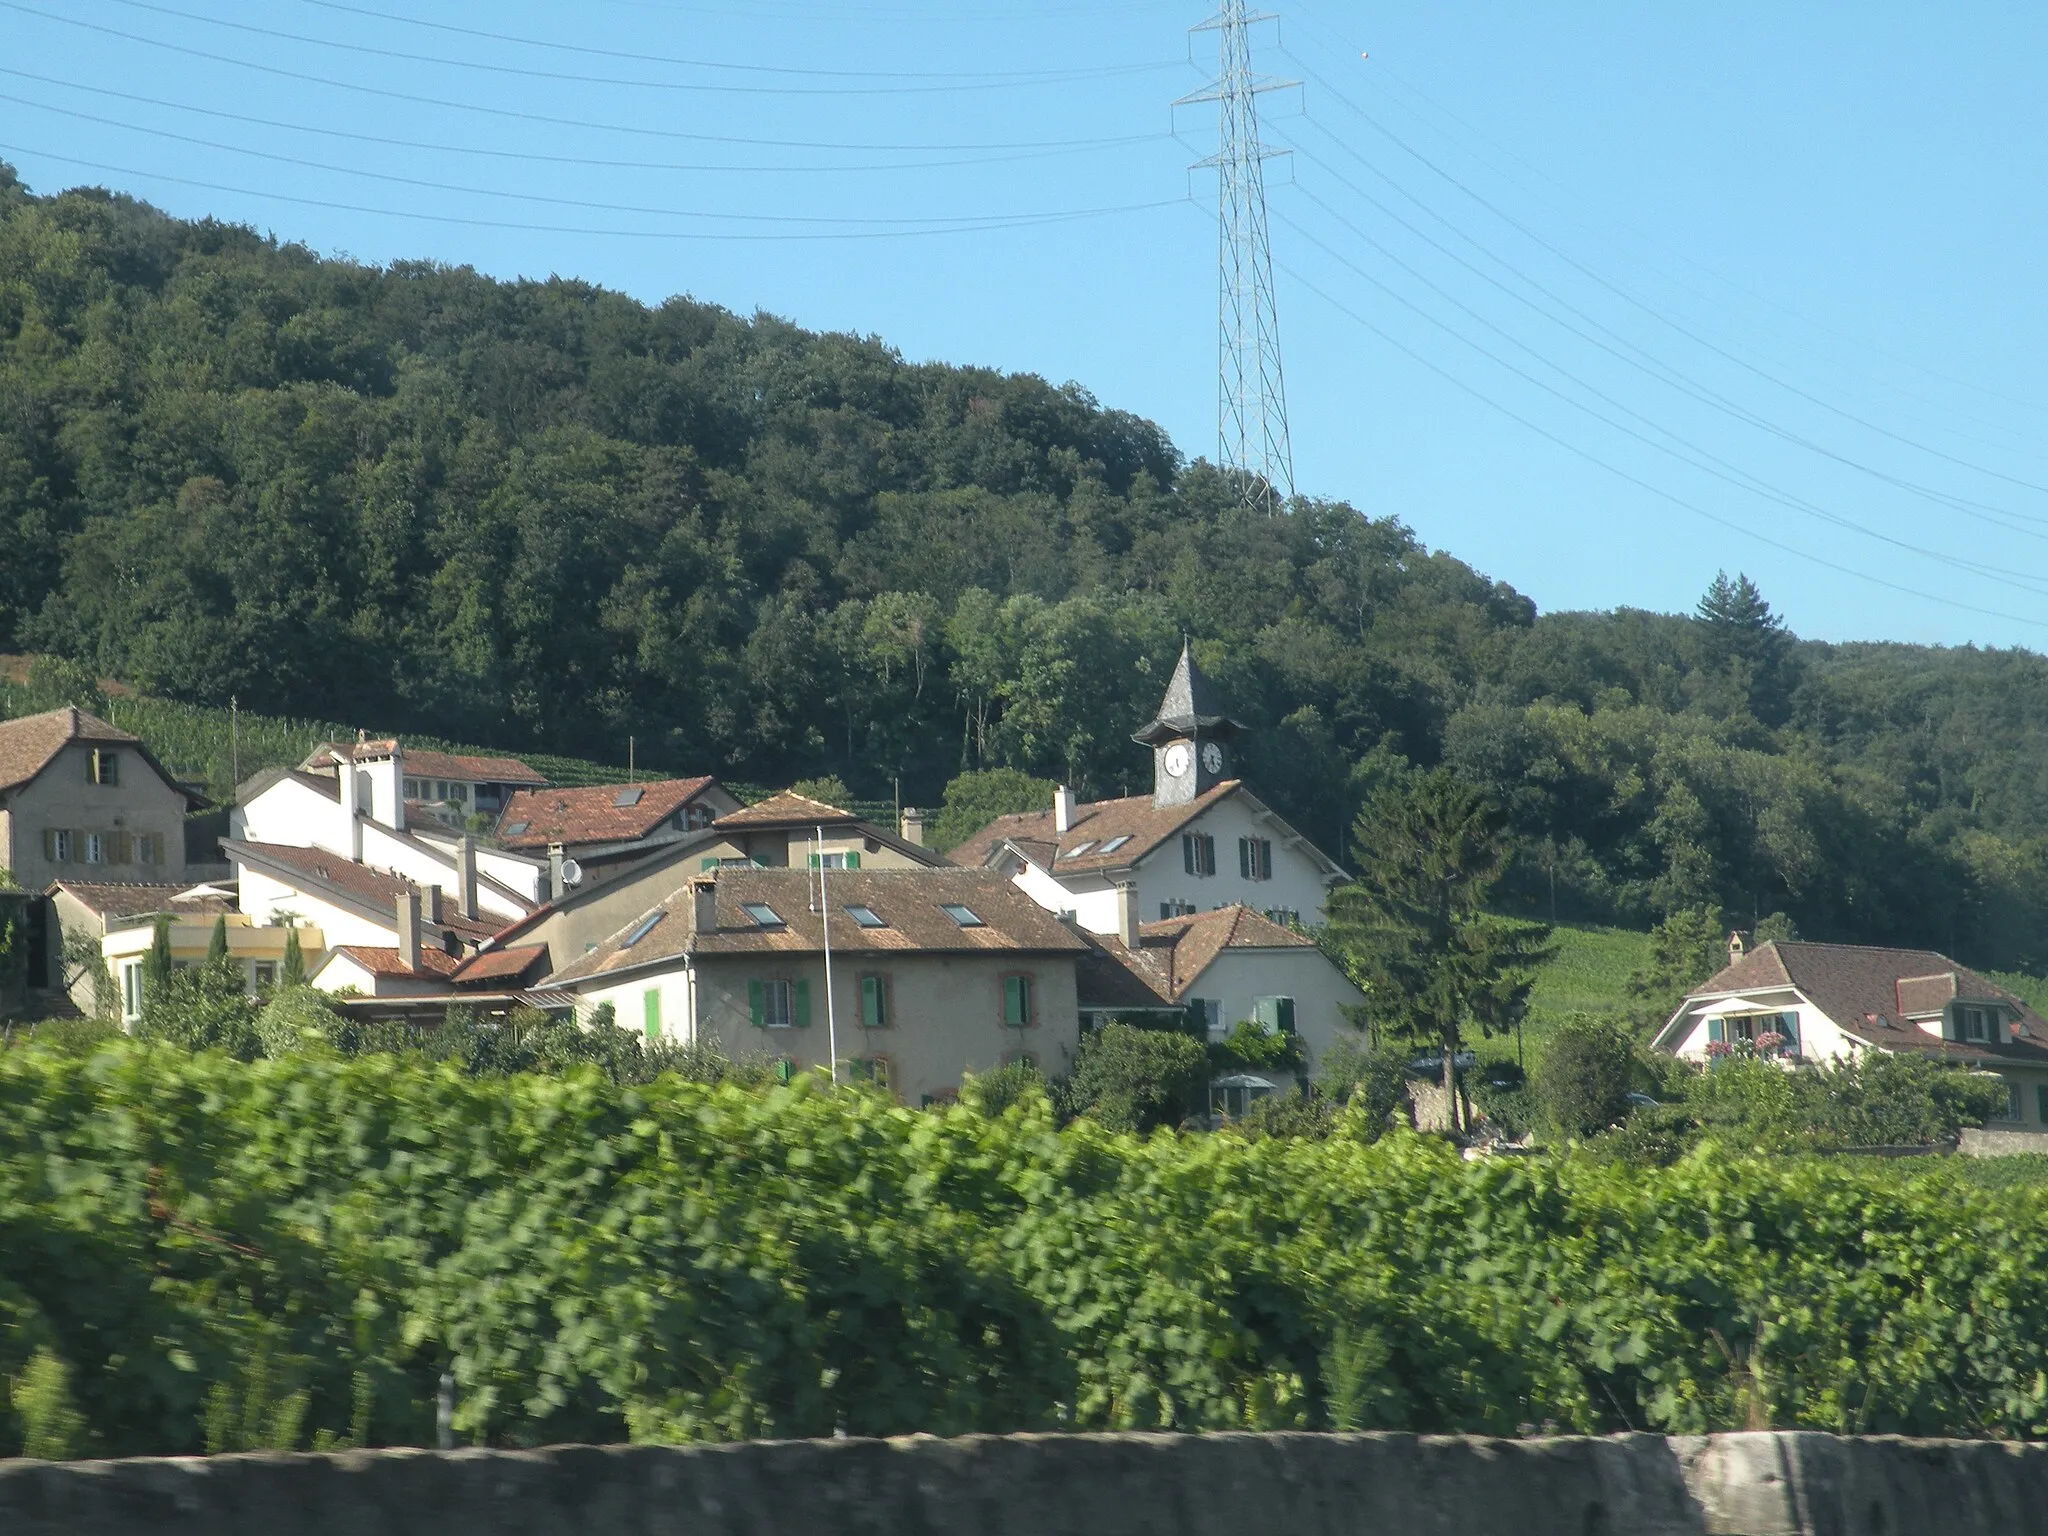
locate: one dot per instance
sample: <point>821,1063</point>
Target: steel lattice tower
<point>1251,409</point>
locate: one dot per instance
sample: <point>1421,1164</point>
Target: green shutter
<point>1267,1011</point>
<point>755,1005</point>
<point>1286,1012</point>
<point>1716,1032</point>
<point>871,1014</point>
<point>803,1003</point>
<point>811,859</point>
<point>49,845</point>
<point>853,859</point>
<point>650,1004</point>
<point>1013,1001</point>
<point>706,866</point>
<point>785,1069</point>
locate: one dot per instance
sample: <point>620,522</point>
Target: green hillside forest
<point>547,517</point>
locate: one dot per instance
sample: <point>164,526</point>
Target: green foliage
<point>289,1252</point>
<point>217,943</point>
<point>202,1008</point>
<point>292,972</point>
<point>975,799</point>
<point>1371,1083</point>
<point>831,789</point>
<point>1582,1080</point>
<point>51,1426</point>
<point>1252,1047</point>
<point>1687,947</point>
<point>1016,1082</point>
<point>1307,1116</point>
<point>157,964</point>
<point>1878,1099</point>
<point>1133,1079</point>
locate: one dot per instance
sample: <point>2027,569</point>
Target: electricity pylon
<point>1251,407</point>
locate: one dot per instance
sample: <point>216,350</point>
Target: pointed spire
<point>1189,708</point>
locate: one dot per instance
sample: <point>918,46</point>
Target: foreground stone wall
<point>1774,1484</point>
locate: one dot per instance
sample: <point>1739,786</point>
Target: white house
<point>1827,1002</point>
<point>1200,841</point>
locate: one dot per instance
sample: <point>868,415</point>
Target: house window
<point>264,973</point>
<point>650,1012</point>
<point>1169,909</point>
<point>103,767</point>
<point>1286,917</point>
<point>642,928</point>
<point>867,917</point>
<point>1255,858</point>
<point>1206,1013</point>
<point>131,990</point>
<point>1198,853</point>
<point>149,847</point>
<point>874,1002</point>
<point>870,1069</point>
<point>2041,1102</point>
<point>2012,1109</point>
<point>1115,843</point>
<point>764,916</point>
<point>56,845</point>
<point>779,1004</point>
<point>847,860</point>
<point>1756,1027</point>
<point>965,916</point>
<point>95,847</point>
<point>1276,1013</point>
<point>1078,849</point>
<point>412,789</point>
<point>1018,1010</point>
<point>1977,1024</point>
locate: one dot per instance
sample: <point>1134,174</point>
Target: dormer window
<point>1978,1024</point>
<point>104,767</point>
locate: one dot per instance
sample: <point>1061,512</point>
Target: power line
<point>1638,481</point>
<point>938,227</point>
<point>954,84</point>
<point>525,197</point>
<point>1046,150</point>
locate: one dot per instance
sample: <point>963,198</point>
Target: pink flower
<point>1717,1047</point>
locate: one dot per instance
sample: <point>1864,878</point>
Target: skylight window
<point>763,915</point>
<point>963,915</point>
<point>867,917</point>
<point>1078,849</point>
<point>641,929</point>
<point>515,828</point>
<point>626,797</point>
<point>1114,843</point>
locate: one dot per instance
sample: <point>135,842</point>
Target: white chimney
<point>555,882</point>
<point>1063,809</point>
<point>465,877</point>
<point>409,929</point>
<point>913,825</point>
<point>350,845</point>
<point>433,905</point>
<point>704,906</point>
<point>1127,915</point>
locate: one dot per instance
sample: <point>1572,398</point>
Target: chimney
<point>913,825</point>
<point>345,793</point>
<point>1736,946</point>
<point>434,905</point>
<point>704,906</point>
<point>465,877</point>
<point>555,886</point>
<point>1127,915</point>
<point>409,928</point>
<point>1063,809</point>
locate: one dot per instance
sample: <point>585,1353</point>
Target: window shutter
<point>853,858</point>
<point>871,1001</point>
<point>803,1003</point>
<point>755,1005</point>
<point>1244,857</point>
<point>1285,1014</point>
<point>706,866</point>
<point>49,845</point>
<point>811,860</point>
<point>650,1005</point>
<point>1013,1001</point>
<point>123,850</point>
<point>1187,851</point>
<point>1716,1032</point>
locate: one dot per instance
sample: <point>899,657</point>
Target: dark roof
<point>1190,706</point>
<point>369,890</point>
<point>907,900</point>
<point>1102,821</point>
<point>1874,993</point>
<point>326,785</point>
<point>593,814</point>
<point>28,745</point>
<point>121,899</point>
<point>1172,955</point>
<point>423,764</point>
<point>786,808</point>
<point>503,967</point>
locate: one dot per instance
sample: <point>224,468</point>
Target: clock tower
<point>1190,737</point>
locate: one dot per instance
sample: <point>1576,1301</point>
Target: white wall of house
<point>292,815</point>
<point>1238,978</point>
<point>342,973</point>
<point>267,899</point>
<point>1819,1038</point>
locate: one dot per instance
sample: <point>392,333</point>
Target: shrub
<point>1305,1116</point>
<point>991,1093</point>
<point>1880,1099</point>
<point>1252,1047</point>
<point>1370,1083</point>
<point>1134,1079</point>
<point>202,1008</point>
<point>1582,1080</point>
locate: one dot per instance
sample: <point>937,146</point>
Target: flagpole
<point>825,927</point>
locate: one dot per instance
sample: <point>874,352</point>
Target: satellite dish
<point>572,872</point>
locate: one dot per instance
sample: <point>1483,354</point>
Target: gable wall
<point>1321,992</point>
<point>63,796</point>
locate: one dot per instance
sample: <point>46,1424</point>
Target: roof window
<point>514,828</point>
<point>626,797</point>
<point>641,929</point>
<point>763,915</point>
<point>1115,843</point>
<point>1078,849</point>
<point>867,917</point>
<point>965,916</point>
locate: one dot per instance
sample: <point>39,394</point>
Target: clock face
<point>1212,757</point>
<point>1177,759</point>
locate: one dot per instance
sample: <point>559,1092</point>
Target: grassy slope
<point>1587,973</point>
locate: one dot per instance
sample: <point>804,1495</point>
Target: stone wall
<point>1771,1484</point>
<point>1989,1142</point>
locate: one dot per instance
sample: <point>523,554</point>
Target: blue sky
<point>1600,304</point>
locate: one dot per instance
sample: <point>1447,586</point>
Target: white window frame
<point>95,849</point>
<point>774,988</point>
<point>131,991</point>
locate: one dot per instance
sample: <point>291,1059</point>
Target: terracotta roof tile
<point>1142,825</point>
<point>423,764</point>
<point>112,898</point>
<point>786,809</point>
<point>1172,955</point>
<point>908,901</point>
<point>380,961</point>
<point>593,814</point>
<point>502,965</point>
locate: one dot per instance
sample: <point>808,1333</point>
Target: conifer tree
<point>293,971</point>
<point>156,964</point>
<point>217,945</point>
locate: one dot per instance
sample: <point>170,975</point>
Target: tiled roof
<point>28,744</point>
<point>325,785</point>
<point>786,809</point>
<point>381,961</point>
<point>502,965</point>
<point>1172,955</point>
<point>1871,993</point>
<point>120,899</point>
<point>593,814</point>
<point>908,901</point>
<point>1144,824</point>
<point>422,764</point>
<point>373,889</point>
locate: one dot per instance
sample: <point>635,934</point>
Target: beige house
<point>94,909</point>
<point>258,952</point>
<point>1798,1002</point>
<point>906,977</point>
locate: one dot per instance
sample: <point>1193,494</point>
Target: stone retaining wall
<point>1772,1484</point>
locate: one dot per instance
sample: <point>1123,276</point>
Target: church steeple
<point>1187,737</point>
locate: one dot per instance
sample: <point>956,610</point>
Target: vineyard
<point>200,1255</point>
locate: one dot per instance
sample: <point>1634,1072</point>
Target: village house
<point>1200,841</point>
<point>445,786</point>
<point>91,910</point>
<point>921,974</point>
<point>605,827</point>
<point>1797,1002</point>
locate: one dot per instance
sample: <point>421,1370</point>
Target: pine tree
<point>1748,644</point>
<point>293,972</point>
<point>217,945</point>
<point>156,965</point>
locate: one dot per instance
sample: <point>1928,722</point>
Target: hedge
<point>290,1252</point>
